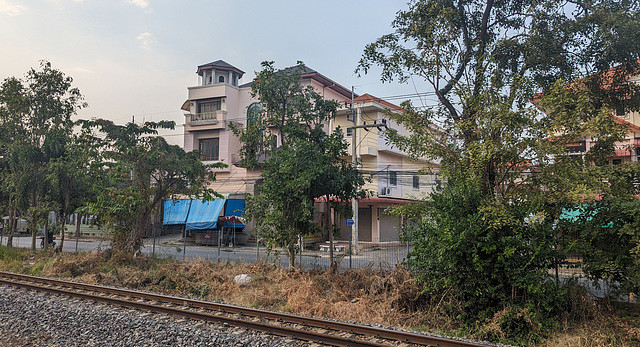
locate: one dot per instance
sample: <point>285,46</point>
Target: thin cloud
<point>140,3</point>
<point>10,9</point>
<point>146,39</point>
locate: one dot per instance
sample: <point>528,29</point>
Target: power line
<point>385,98</point>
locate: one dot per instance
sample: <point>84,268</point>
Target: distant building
<point>219,100</point>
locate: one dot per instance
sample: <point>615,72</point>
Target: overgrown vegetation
<point>365,295</point>
<point>36,142</point>
<point>118,173</point>
<point>135,171</point>
<point>516,82</point>
<point>299,161</point>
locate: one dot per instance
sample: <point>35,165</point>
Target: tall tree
<point>300,161</point>
<point>485,61</point>
<point>138,170</point>
<point>69,179</point>
<point>13,106</point>
<point>36,119</point>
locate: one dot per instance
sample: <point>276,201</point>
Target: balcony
<point>208,118</point>
<point>368,151</point>
<point>577,147</point>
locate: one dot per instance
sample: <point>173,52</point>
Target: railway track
<point>281,324</point>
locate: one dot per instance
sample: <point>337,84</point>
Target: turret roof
<point>219,65</point>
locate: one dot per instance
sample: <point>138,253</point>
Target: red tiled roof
<point>369,97</point>
<point>608,76</point>
<point>629,125</point>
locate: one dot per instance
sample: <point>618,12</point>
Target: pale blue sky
<point>137,57</point>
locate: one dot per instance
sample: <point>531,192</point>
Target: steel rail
<point>272,329</point>
<point>400,336</point>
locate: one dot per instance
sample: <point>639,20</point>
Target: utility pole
<point>184,240</point>
<point>355,114</point>
<point>354,159</point>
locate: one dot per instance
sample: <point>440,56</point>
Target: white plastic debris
<point>243,279</point>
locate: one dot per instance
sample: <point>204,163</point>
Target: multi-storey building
<point>219,100</point>
<point>626,150</point>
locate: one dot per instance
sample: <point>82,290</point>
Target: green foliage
<point>137,171</point>
<point>35,119</point>
<point>9,253</point>
<point>482,253</point>
<point>300,162</point>
<point>609,240</point>
<point>605,233</point>
<point>487,63</point>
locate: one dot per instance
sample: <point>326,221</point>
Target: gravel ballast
<point>29,318</point>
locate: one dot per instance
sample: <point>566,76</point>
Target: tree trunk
<point>78,218</point>
<point>64,222</point>
<point>12,224</point>
<point>46,234</point>
<point>142,229</point>
<point>329,226</point>
<point>291,249</point>
<point>33,223</point>
<point>34,231</point>
<point>64,214</point>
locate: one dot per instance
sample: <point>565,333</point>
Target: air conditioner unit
<point>385,191</point>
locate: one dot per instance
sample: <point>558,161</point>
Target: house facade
<point>219,101</point>
<point>627,150</point>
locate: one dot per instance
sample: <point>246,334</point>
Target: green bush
<point>483,253</point>
<point>11,253</point>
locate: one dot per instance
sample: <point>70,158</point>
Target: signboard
<point>350,222</point>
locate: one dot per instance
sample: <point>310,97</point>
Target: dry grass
<point>612,331</point>
<point>366,295</point>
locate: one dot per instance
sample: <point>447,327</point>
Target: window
<point>209,149</point>
<point>393,178</point>
<point>210,106</point>
<point>616,161</point>
<point>620,111</point>
<point>221,79</point>
<point>207,110</point>
<point>416,182</point>
<point>349,132</point>
<point>253,112</point>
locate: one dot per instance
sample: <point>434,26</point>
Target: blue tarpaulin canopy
<point>235,207</point>
<point>175,212</point>
<point>201,214</point>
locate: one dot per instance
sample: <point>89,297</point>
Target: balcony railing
<point>205,118</point>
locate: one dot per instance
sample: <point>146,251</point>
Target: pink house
<point>219,99</point>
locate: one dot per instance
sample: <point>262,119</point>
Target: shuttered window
<point>209,149</point>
